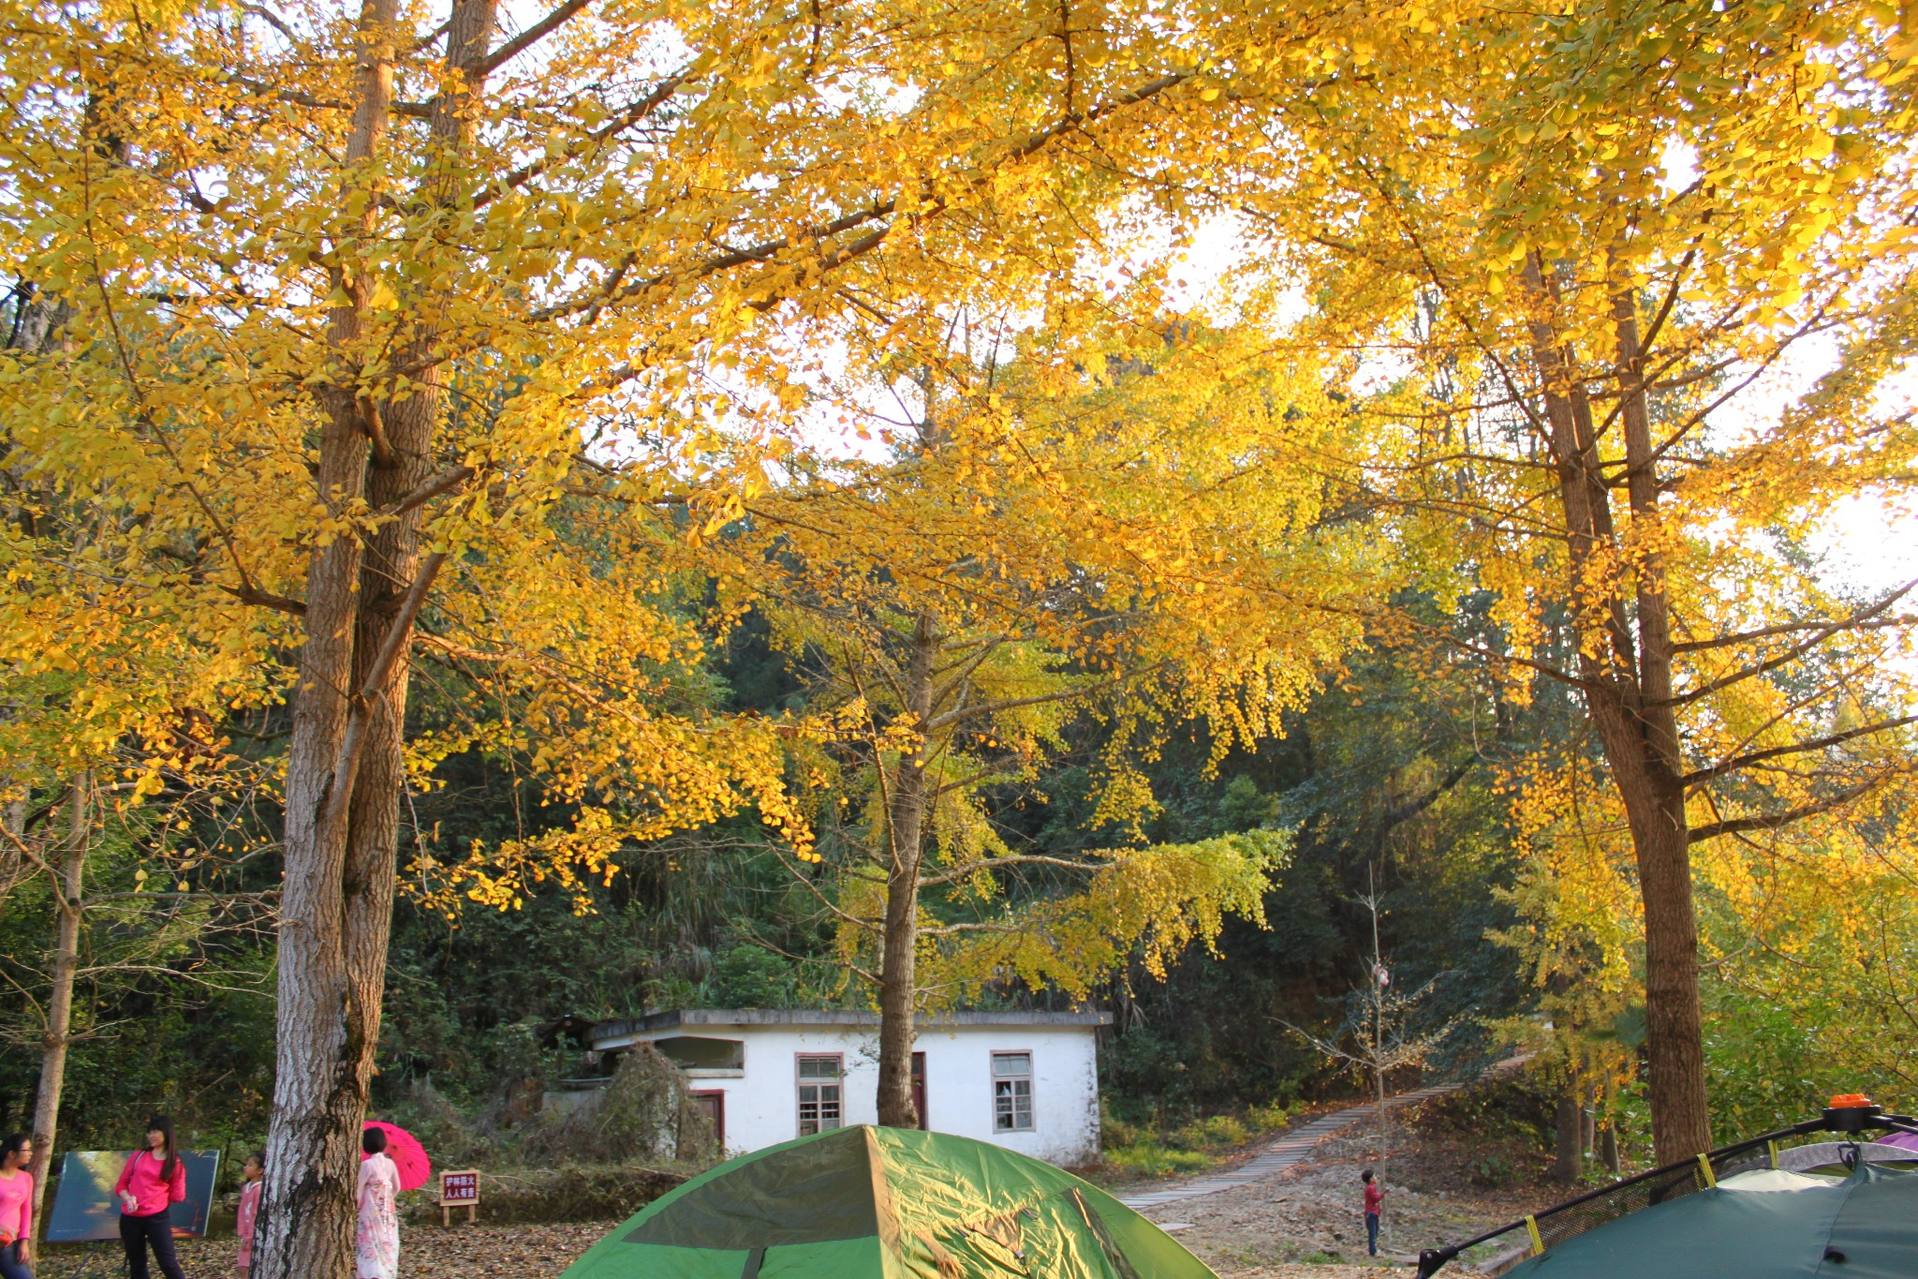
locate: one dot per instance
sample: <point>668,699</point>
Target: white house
<point>1024,1080</point>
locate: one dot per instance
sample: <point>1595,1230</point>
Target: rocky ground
<point>1451,1169</point>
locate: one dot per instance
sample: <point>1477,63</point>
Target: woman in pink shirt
<point>16,1207</point>
<point>151,1183</point>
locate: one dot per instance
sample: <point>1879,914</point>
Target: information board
<point>85,1208</point>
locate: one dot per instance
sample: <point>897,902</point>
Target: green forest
<point>1394,778</point>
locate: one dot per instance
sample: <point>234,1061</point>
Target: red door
<point>919,1090</point>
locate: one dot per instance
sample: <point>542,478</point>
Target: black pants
<point>155,1232</point>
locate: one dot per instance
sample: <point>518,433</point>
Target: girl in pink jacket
<point>249,1211</point>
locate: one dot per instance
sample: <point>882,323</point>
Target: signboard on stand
<point>459,1190</point>
<point>85,1209</point>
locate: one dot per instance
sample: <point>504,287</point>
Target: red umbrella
<point>408,1156</point>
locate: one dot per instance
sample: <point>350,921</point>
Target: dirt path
<point>1289,1150</point>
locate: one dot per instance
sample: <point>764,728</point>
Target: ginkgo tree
<point>349,303</point>
<point>1626,291</point>
<point>1048,551</point>
<point>114,680</point>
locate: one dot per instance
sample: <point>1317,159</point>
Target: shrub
<point>1215,1133</point>
<point>1150,1159</point>
<point>644,1111</point>
<point>1270,1116</point>
<point>1114,1131</point>
<point>1224,1130</point>
<point>450,1138</point>
<point>568,1192</point>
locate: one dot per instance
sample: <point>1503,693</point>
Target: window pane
<point>1012,1105</point>
<point>1005,1065</point>
<point>818,1088</point>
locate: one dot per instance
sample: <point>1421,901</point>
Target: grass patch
<point>1140,1148</point>
<point>1150,1158</point>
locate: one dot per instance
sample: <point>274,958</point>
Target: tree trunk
<point>347,769</point>
<point>57,1036</point>
<point>323,1060</point>
<point>1681,1119</point>
<point>1378,999</point>
<point>1627,690</point>
<point>1569,1159</point>
<point>905,829</point>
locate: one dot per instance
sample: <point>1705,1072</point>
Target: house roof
<point>690,1017</point>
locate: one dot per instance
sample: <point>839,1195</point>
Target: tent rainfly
<point>1734,1211</point>
<point>1764,1224</point>
<point>887,1203</point>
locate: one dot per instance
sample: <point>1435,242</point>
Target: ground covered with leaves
<point>1451,1168</point>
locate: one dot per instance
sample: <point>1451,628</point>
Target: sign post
<point>459,1189</point>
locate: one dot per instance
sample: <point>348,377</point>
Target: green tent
<point>886,1203</point>
<point>1755,1225</point>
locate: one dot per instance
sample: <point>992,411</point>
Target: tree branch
<point>1788,628</point>
<point>1795,651</point>
<point>1737,762</point>
<point>1772,821</point>
<point>529,37</point>
<point>346,762</point>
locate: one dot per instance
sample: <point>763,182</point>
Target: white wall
<point>762,1106</point>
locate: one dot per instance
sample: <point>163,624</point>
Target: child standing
<point>1374,1200</point>
<point>16,1207</point>
<point>249,1211</point>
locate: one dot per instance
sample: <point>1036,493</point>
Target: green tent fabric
<point>886,1203</point>
<point>1757,1225</point>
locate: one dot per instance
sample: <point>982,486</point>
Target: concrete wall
<point>761,1100</point>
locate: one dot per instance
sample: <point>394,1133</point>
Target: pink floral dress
<point>377,1246</point>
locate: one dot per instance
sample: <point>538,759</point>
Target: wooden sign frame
<point>470,1204</point>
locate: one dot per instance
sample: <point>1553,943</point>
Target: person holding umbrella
<point>376,1247</point>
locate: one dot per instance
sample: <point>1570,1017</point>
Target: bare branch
<point>1795,651</point>
<point>530,37</point>
<point>1737,762</point>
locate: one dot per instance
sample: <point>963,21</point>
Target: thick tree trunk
<point>1625,657</point>
<point>905,821</point>
<point>346,765</point>
<point>58,1033</point>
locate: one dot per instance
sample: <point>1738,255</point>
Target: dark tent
<point>887,1203</point>
<point>1756,1225</point>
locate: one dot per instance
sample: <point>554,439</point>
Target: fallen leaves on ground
<point>538,1251</point>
